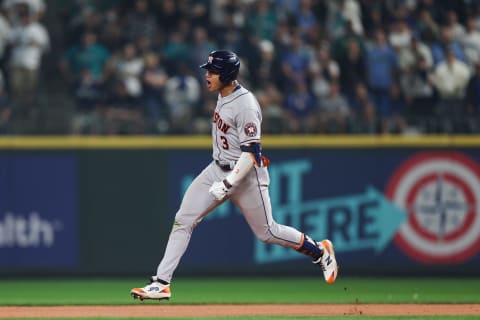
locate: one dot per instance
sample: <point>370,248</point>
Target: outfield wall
<point>104,206</point>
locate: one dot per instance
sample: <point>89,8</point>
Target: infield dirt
<point>165,310</point>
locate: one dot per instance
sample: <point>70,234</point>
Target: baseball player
<point>238,173</point>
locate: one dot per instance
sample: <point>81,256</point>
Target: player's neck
<point>228,88</point>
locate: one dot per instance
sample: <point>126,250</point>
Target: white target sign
<point>440,192</point>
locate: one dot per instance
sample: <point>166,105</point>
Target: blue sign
<point>405,207</point>
<point>38,218</point>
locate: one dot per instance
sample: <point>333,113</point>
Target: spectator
<point>281,50</point>
<point>5,108</point>
<point>282,38</point>
<point>416,63</point>
<point>270,100</point>
<point>323,70</point>
<point>399,9</point>
<point>434,8</point>
<point>300,110</point>
<point>418,92</point>
<point>269,70</point>
<point>85,19</point>
<point>128,68</point>
<point>471,42</point>
<point>168,16</point>
<point>473,100</point>
<point>198,12</point>
<point>140,22</point>
<point>364,115</point>
<point>176,49</point>
<point>372,17</point>
<point>395,122</point>
<point>29,41</point>
<point>250,57</point>
<point>261,20</point>
<point>427,27</point>
<point>400,34</point>
<point>409,56</point>
<point>154,79</point>
<point>450,79</point>
<point>285,9</point>
<point>446,42</point>
<point>381,66</point>
<point>294,64</point>
<point>89,95</point>
<point>145,45</point>
<point>200,48</point>
<point>111,34</point>
<point>5,33</point>
<point>123,114</point>
<point>334,111</point>
<point>352,69</point>
<point>476,15</point>
<point>306,21</point>
<point>456,28</point>
<point>231,38</point>
<point>86,55</point>
<point>202,124</point>
<point>344,16</point>
<point>37,9</point>
<point>182,97</point>
<point>340,44</point>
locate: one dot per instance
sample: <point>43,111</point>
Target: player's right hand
<point>218,190</point>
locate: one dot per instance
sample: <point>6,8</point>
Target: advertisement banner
<point>38,203</point>
<point>380,207</point>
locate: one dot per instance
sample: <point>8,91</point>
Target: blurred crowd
<point>316,66</point>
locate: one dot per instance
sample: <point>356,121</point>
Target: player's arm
<point>250,155</point>
<point>242,167</point>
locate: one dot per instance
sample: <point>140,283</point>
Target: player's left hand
<point>218,190</point>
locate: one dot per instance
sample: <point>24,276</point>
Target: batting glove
<point>219,189</point>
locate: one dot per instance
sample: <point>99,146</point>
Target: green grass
<point>244,291</point>
<point>45,292</point>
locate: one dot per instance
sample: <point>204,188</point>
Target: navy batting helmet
<point>225,63</point>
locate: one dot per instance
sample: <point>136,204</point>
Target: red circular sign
<point>439,191</point>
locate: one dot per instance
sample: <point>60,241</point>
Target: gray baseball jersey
<point>236,121</point>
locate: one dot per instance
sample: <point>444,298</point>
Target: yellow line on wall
<point>204,142</point>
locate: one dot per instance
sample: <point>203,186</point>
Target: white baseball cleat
<point>327,261</point>
<point>154,290</point>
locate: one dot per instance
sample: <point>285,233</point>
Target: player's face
<point>213,81</point>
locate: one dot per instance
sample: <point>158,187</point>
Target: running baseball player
<point>238,173</point>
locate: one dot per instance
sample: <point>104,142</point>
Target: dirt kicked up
<point>163,310</point>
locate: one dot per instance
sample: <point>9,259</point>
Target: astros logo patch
<point>439,191</point>
<point>250,129</point>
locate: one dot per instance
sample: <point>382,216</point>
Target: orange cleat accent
<point>328,262</point>
<point>154,291</point>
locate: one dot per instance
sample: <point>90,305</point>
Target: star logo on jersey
<point>251,129</point>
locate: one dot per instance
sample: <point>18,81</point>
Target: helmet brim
<point>210,67</point>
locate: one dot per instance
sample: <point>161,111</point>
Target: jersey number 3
<point>224,142</point>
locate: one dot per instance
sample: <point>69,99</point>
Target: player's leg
<point>197,202</point>
<point>253,199</point>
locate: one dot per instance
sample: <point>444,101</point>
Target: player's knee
<point>183,223</point>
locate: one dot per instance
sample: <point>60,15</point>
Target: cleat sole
<point>141,298</point>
